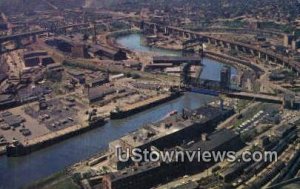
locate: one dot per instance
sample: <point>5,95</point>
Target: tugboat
<point>16,149</point>
<point>95,121</point>
<point>117,114</point>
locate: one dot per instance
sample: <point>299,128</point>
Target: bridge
<point>246,48</point>
<point>17,38</point>
<point>176,60</point>
<point>243,31</point>
<point>266,98</point>
<point>255,97</point>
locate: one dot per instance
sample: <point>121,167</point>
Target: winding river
<point>20,171</point>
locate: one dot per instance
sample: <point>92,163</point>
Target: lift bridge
<point>190,48</point>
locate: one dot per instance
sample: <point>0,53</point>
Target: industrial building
<point>95,94</point>
<point>75,48</point>
<point>148,175</point>
<point>98,81</point>
<point>173,130</point>
<point>37,58</point>
<point>107,53</point>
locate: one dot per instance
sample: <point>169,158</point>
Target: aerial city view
<point>149,94</point>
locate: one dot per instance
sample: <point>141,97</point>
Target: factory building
<point>147,175</point>
<point>79,50</point>
<point>77,76</point>
<point>98,81</point>
<point>75,48</point>
<point>37,58</point>
<point>106,53</point>
<point>55,67</point>
<point>96,94</point>
<point>287,40</point>
<point>173,130</point>
<point>34,54</point>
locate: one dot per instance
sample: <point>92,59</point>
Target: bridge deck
<point>293,64</point>
<point>176,59</point>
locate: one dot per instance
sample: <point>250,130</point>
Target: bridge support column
<point>18,43</point>
<point>259,55</point>
<point>208,40</point>
<point>236,48</point>
<point>252,52</point>
<point>216,42</point>
<point>223,44</point>
<point>244,50</point>
<point>228,45</point>
<point>155,30</point>
<point>166,32</point>
<point>267,58</point>
<point>34,38</point>
<point>183,35</point>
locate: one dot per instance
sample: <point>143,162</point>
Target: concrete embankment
<point>29,146</point>
<point>141,106</point>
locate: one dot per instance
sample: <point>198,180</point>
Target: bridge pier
<point>244,49</point>
<point>228,45</point>
<point>216,43</point>
<point>166,31</point>
<point>155,29</point>
<point>267,58</point>
<point>34,38</point>
<point>223,44</point>
<point>236,48</point>
<point>209,41</point>
<point>18,43</point>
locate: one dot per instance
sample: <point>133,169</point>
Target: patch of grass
<point>58,180</point>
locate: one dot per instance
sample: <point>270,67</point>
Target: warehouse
<point>98,93</point>
<point>104,52</point>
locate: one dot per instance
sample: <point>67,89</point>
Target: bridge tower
<point>185,78</point>
<point>189,49</point>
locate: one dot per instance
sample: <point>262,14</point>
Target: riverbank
<point>112,41</point>
<point>143,105</point>
<point>48,161</point>
<point>58,180</point>
<point>20,149</point>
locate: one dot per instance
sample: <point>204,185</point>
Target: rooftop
<point>168,126</point>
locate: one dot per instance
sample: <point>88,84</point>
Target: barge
<point>137,108</point>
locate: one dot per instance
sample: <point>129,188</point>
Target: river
<point>211,68</point>
<point>20,171</point>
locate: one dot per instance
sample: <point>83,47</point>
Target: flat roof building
<point>104,52</point>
